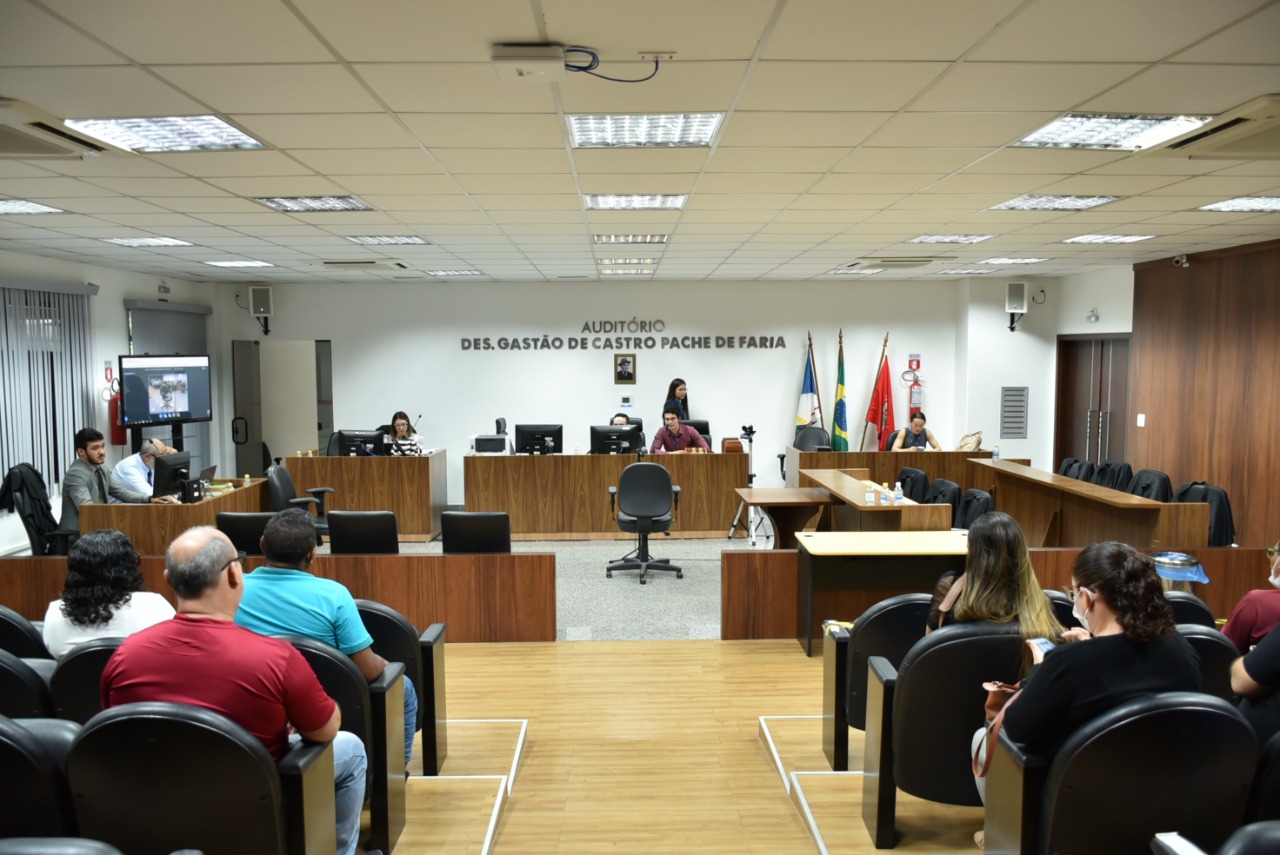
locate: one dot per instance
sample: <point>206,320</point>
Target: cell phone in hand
<point>1044,645</point>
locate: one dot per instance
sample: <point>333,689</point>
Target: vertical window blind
<point>46,392</point>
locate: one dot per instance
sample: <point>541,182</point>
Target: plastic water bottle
<point>897,492</point>
<point>870,498</point>
<point>884,494</point>
<point>245,482</point>
<point>995,452</point>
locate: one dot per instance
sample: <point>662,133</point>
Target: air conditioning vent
<point>1249,132</point>
<point>904,262</point>
<point>28,134</point>
<point>364,264</point>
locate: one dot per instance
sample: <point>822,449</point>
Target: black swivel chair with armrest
<point>33,788</point>
<point>915,483</point>
<point>204,782</point>
<point>373,711</point>
<point>974,504</point>
<point>645,499</point>
<point>1188,608</point>
<point>921,718</point>
<point>77,679</point>
<point>24,687</point>
<point>1113,474</point>
<point>244,528</point>
<point>888,629</point>
<point>891,439</point>
<point>1081,470</point>
<point>1175,761</point>
<point>284,496</point>
<point>363,533</point>
<point>475,532</point>
<point>1222,526</point>
<point>23,491</point>
<point>422,654</point>
<point>1061,605</point>
<point>1151,484</point>
<point>1067,462</point>
<point>20,636</point>
<point>1216,653</point>
<point>812,438</point>
<point>1264,795</point>
<point>943,492</point>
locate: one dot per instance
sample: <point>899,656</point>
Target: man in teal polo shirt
<point>282,598</point>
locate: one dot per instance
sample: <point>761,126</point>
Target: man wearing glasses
<point>263,684</point>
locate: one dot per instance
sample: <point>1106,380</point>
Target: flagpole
<point>883,348</point>
<point>816,385</point>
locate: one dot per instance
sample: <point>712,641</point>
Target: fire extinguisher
<point>917,397</point>
<point>119,436</point>
<point>916,389</point>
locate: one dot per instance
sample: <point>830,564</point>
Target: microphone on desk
<point>415,422</point>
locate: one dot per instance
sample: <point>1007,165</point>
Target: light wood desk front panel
<point>857,515</point>
<point>884,466</point>
<point>569,493</point>
<point>153,527</point>
<point>414,488</point>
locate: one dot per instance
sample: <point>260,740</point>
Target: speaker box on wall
<point>260,301</point>
<point>1015,298</point>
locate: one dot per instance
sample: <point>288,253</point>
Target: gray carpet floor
<point>591,607</point>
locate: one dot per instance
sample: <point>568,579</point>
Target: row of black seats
<point>376,532</point>
<point>965,509</point>
<point>919,700</point>
<point>1155,485</point>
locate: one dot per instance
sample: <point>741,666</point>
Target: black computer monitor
<point>171,470</point>
<point>356,443</point>
<point>616,439</point>
<point>700,425</point>
<point>539,439</point>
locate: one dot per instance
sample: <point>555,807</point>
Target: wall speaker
<point>1015,297</point>
<point>260,301</point>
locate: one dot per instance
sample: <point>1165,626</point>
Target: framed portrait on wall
<point>624,369</point>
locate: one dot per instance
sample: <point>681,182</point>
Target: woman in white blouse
<point>103,596</point>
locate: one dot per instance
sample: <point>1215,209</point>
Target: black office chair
<point>33,787</point>
<point>1113,474</point>
<point>1175,761</point>
<point>1222,525</point>
<point>943,492</point>
<point>422,654</point>
<point>1151,484</point>
<point>702,426</point>
<point>921,718</point>
<point>915,483</point>
<point>55,846</point>
<point>284,496</point>
<point>1081,470</point>
<point>24,687</point>
<point>812,438</point>
<point>1062,607</point>
<point>202,781</point>
<point>1257,838</point>
<point>77,679</point>
<point>475,532</point>
<point>23,491</point>
<point>1216,653</point>
<point>1067,463</point>
<point>1264,794</point>
<point>20,637</point>
<point>645,497</point>
<point>1188,608</point>
<point>373,711</point>
<point>974,504</point>
<point>244,528</point>
<point>333,447</point>
<point>363,533</point>
<point>888,629</point>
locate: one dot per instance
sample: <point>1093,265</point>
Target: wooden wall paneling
<point>1083,521</point>
<point>1183,525</point>
<point>1203,366</point>
<point>414,488</point>
<point>758,593</point>
<point>153,527</point>
<point>1036,508</point>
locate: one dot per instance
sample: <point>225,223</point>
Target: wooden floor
<point>642,747</point>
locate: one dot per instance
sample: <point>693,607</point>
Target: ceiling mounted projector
<point>529,63</point>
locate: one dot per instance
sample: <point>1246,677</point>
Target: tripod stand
<point>753,524</point>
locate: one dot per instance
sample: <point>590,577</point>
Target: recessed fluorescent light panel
<point>315,204</point>
<point>965,271</point>
<point>1246,204</point>
<point>630,238</point>
<point>167,133</point>
<point>1108,238</point>
<point>626,261</point>
<point>1032,202</point>
<point>22,206</point>
<point>146,241</point>
<point>1012,260</point>
<point>455,273</point>
<point>626,271</point>
<point>633,202</point>
<point>1111,132</point>
<point>387,240</point>
<point>854,271</point>
<point>672,130</point>
<point>950,238</point>
<point>239,264</point>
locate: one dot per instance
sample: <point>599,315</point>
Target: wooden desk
<point>153,527</point>
<point>884,466</point>
<point>1055,510</point>
<point>790,509</point>
<point>415,488</point>
<point>857,515</point>
<point>553,495</point>
<point>876,565</point>
<point>508,597</point>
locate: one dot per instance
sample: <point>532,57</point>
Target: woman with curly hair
<point>103,596</point>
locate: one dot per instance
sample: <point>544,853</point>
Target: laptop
<point>207,473</point>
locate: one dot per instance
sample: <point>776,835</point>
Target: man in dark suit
<point>624,369</point>
<point>88,479</point>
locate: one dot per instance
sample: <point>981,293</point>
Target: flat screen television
<point>359,442</point>
<point>538,439</point>
<point>171,470</point>
<point>616,439</point>
<point>165,390</point>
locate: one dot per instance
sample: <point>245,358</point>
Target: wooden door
<point>1092,408</point>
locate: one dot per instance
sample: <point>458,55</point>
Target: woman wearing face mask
<point>1258,611</point>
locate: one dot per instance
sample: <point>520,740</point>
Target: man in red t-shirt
<point>201,657</point>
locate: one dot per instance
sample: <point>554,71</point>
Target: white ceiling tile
<point>271,186</point>
<point>856,86</point>
<point>440,87</point>
<point>95,92</point>
<point>207,164</point>
<point>757,182</point>
<point>50,188</point>
<point>461,130</point>
<point>341,131</point>
<point>354,161</point>
<point>644,184</point>
<point>1008,86</point>
<point>412,205</point>
<point>404,185</point>
<point>591,160</point>
<point>1251,40</point>
<point>679,87</point>
<point>31,36</point>
<point>1016,184</point>
<point>846,201</point>
<point>1190,89</point>
<point>727,159</point>
<point>516,183</point>
<point>705,201</point>
<point>709,29</point>
<point>204,204</point>
<point>1107,185</point>
<point>298,88</point>
<point>852,182</point>
<point>821,129</point>
<point>960,129</point>
<point>508,202</point>
<point>534,160</point>
<point>872,159</point>
<point>1039,160</point>
<point>1215,185</point>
